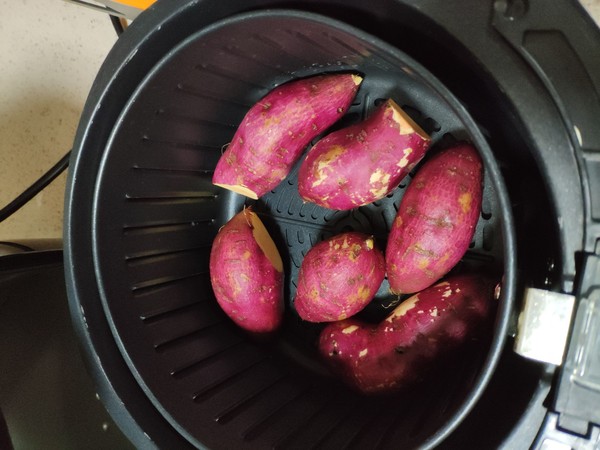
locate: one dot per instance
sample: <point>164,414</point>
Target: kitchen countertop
<point>51,52</point>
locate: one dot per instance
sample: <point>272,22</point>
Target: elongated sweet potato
<point>362,163</point>
<point>395,353</point>
<point>276,130</point>
<point>338,277</point>
<point>436,219</point>
<point>246,273</point>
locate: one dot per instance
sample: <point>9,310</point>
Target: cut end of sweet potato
<point>243,190</point>
<point>407,125</point>
<point>357,79</point>
<point>264,241</point>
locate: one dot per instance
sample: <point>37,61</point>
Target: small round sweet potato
<point>275,131</point>
<point>246,273</point>
<point>364,162</point>
<point>436,219</point>
<point>394,354</point>
<point>339,277</point>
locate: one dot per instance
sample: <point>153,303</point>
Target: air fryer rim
<point>77,245</point>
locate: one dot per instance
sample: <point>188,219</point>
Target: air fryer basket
<point>155,214</point>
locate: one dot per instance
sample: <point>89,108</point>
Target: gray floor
<point>46,395</point>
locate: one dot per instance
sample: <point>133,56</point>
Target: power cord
<point>117,25</point>
<point>35,188</point>
<point>55,170</point>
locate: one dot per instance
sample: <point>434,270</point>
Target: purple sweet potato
<point>246,273</point>
<point>338,277</point>
<point>436,219</point>
<point>397,352</point>
<point>275,131</point>
<point>364,162</point>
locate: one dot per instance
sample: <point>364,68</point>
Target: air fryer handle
<point>576,413</point>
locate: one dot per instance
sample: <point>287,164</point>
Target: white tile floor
<point>51,51</point>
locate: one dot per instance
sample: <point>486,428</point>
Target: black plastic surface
<point>25,261</point>
<point>553,435</point>
<point>578,391</point>
<point>563,56</point>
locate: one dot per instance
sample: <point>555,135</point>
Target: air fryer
<point>142,213</point>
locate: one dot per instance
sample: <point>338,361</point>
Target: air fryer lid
<point>156,212</point>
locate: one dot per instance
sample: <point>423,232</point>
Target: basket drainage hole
<point>414,113</point>
<point>431,126</point>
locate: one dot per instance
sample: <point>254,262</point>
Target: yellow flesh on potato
<point>264,241</point>
<point>407,125</point>
<point>357,79</point>
<point>239,190</point>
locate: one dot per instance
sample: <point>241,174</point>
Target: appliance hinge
<point>543,325</point>
<point>574,421</point>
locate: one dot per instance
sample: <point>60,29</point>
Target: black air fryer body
<point>519,78</point>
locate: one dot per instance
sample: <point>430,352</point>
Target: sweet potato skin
<point>275,131</point>
<point>364,162</point>
<point>247,285</point>
<point>394,354</point>
<point>338,277</point>
<point>436,219</point>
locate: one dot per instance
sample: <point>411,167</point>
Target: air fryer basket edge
<point>119,333</point>
<point>507,293</point>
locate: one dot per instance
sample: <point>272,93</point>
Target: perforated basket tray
<point>156,213</point>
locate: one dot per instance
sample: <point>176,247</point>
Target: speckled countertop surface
<point>51,51</point>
